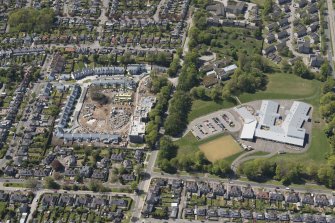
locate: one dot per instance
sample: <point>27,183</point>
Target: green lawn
<point>285,86</point>
<point>200,108</point>
<point>316,153</point>
<point>231,159</point>
<point>258,2</point>
<point>280,86</point>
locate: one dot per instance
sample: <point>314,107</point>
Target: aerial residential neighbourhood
<point>167,111</point>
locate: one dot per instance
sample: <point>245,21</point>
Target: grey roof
<point>268,113</point>
<point>108,71</point>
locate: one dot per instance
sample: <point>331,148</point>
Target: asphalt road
<point>331,25</point>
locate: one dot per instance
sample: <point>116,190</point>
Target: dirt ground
<point>220,148</point>
<point>95,117</point>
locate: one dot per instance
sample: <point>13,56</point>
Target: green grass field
<point>316,153</point>
<point>287,86</point>
<point>280,86</point>
<point>258,2</point>
<point>201,108</point>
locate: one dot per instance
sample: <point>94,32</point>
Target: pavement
<point>144,185</point>
<point>331,34</point>
<point>331,25</point>
<point>159,6</point>
<point>248,156</point>
<point>291,38</point>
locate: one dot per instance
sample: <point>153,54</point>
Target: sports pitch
<point>220,148</point>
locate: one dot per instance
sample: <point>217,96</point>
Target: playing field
<point>220,148</point>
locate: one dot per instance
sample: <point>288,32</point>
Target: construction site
<point>117,106</point>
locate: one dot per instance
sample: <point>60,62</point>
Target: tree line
<point>327,110</point>
<point>288,172</point>
<point>164,87</point>
<point>181,101</point>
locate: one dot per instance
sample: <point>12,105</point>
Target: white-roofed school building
<point>270,125</point>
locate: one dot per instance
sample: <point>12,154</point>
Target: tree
<point>57,176</point>
<point>98,96</point>
<point>78,178</point>
<point>198,92</point>
<point>325,70</point>
<point>285,67</point>
<point>166,166</point>
<point>95,185</point>
<point>167,149</point>
<point>268,4</point>
<point>54,110</point>
<point>134,185</point>
<point>220,168</point>
<point>160,213</point>
<point>157,82</point>
<point>259,170</point>
<point>179,108</point>
<point>301,70</point>
<point>215,94</point>
<point>328,85</point>
<point>31,183</point>
<point>50,183</point>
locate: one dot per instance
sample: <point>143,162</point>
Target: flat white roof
<point>278,137</point>
<point>211,72</point>
<point>289,132</point>
<point>230,68</point>
<point>248,131</point>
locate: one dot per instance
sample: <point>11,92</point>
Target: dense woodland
<point>31,20</point>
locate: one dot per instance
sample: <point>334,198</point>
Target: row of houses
<point>123,83</point>
<point>13,109</point>
<point>15,198</point>
<point>21,52</point>
<point>113,208</point>
<point>81,8</point>
<point>175,10</point>
<point>138,39</point>
<point>132,69</point>
<point>94,202</point>
<point>135,23</point>
<point>75,21</point>
<point>116,12</point>
<point>234,8</point>
<point>154,198</point>
<point>215,214</point>
<point>35,123</point>
<point>237,192</point>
